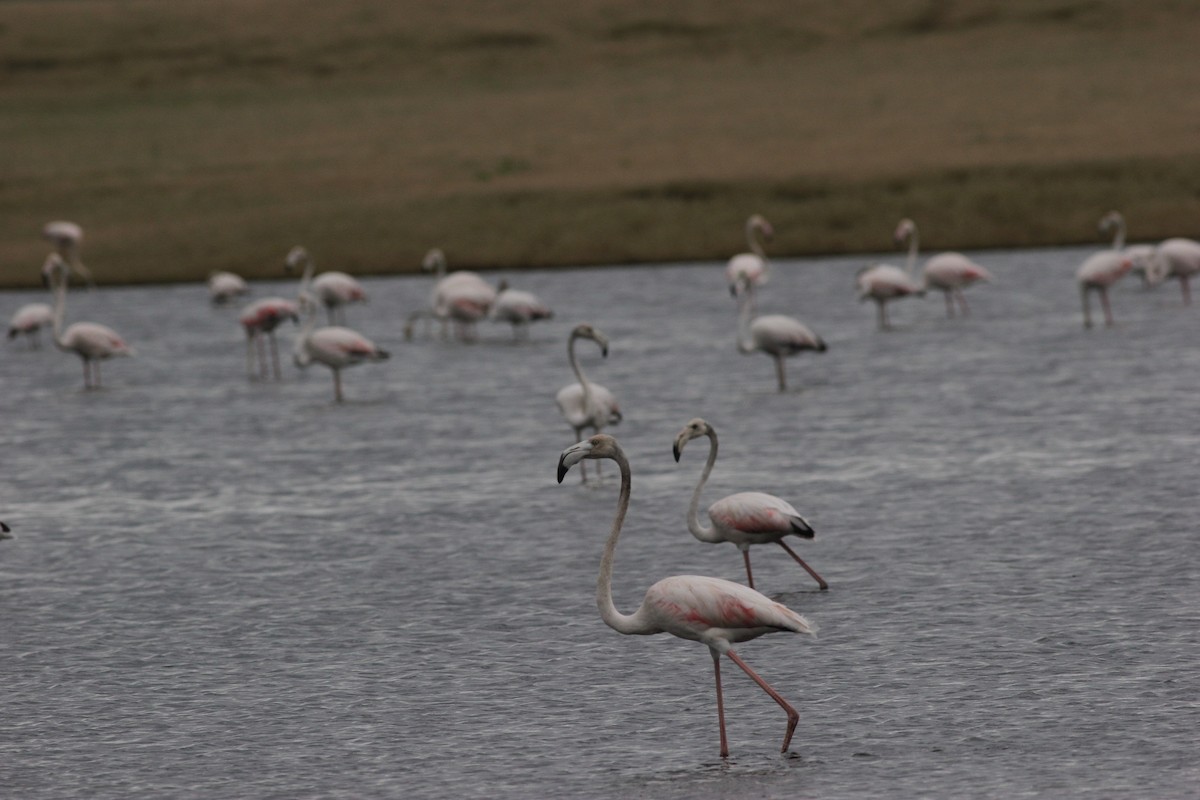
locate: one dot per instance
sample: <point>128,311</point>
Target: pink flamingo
<point>884,283</point>
<point>462,296</point>
<point>715,612</point>
<point>28,320</point>
<point>67,238</point>
<point>1176,258</point>
<point>948,272</point>
<point>776,335</point>
<point>518,309</point>
<point>1101,270</point>
<point>334,289</point>
<point>585,404</point>
<point>259,320</point>
<point>224,286</point>
<point>744,518</point>
<point>753,265</point>
<point>335,347</point>
<point>90,341</point>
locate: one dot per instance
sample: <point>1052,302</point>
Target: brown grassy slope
<point>202,134</point>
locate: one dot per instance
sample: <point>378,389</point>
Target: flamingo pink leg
<point>87,374</point>
<point>1108,317</point>
<point>792,715</point>
<point>962,301</point>
<point>820,581</point>
<point>1087,307</point>
<point>262,355</point>
<point>779,373</point>
<point>1186,289</point>
<point>274,356</point>
<point>337,385</point>
<point>749,574</point>
<point>720,703</point>
<point>949,304</point>
<point>96,374</point>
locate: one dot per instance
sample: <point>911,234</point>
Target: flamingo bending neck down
<point>335,347</point>
<point>1101,270</point>
<point>715,612</point>
<point>259,320</point>
<point>335,290</point>
<point>90,341</point>
<point>754,265</point>
<point>585,404</point>
<point>1175,258</point>
<point>948,272</point>
<point>777,335</point>
<point>519,309</point>
<point>744,518</point>
<point>224,286</point>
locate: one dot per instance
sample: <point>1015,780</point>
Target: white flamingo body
<point>752,265</point>
<point>1176,258</point>
<point>883,283</point>
<point>259,320</point>
<point>334,346</point>
<point>949,273</point>
<point>518,309</point>
<point>1100,271</point>
<point>334,289</point>
<point>777,335</point>
<point>713,611</point>
<point>585,404</point>
<point>745,518</point>
<point>462,297</point>
<point>90,341</point>
<point>29,319</point>
<point>225,286</point>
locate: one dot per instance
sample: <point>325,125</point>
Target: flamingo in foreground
<point>776,335</point>
<point>90,341</point>
<point>334,289</point>
<point>744,518</point>
<point>224,286</point>
<point>67,237</point>
<point>335,347</point>
<point>753,265</point>
<point>259,320</point>
<point>1101,270</point>
<point>1176,258</point>
<point>585,404</point>
<point>948,272</point>
<point>461,296</point>
<point>716,612</point>
<point>519,309</point>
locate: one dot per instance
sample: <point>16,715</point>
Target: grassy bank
<point>203,134</point>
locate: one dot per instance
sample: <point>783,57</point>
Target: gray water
<point>229,588</point>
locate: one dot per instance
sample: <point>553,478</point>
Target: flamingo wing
<point>1103,269</point>
<point>338,346</point>
<point>776,333</point>
<point>93,340</point>
<point>713,610</point>
<point>758,512</point>
<point>954,271</point>
<point>884,281</point>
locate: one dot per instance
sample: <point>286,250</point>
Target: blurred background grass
<point>193,135</point>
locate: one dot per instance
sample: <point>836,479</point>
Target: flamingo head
<point>1111,220</point>
<point>434,260</point>
<point>904,230</point>
<point>296,257</point>
<point>693,430</point>
<point>758,222</point>
<point>599,446</point>
<point>586,331</point>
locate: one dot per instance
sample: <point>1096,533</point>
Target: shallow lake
<point>223,587</point>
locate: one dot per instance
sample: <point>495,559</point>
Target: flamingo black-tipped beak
<point>5,531</point>
<point>678,451</point>
<point>572,456</point>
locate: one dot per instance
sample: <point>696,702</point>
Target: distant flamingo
<point>776,335</point>
<point>744,518</point>
<point>224,286</point>
<point>884,283</point>
<point>1176,258</point>
<point>28,320</point>
<point>585,404</point>
<point>1101,270</point>
<point>67,238</point>
<point>716,612</point>
<point>335,347</point>
<point>259,320</point>
<point>754,264</point>
<point>334,289</point>
<point>93,343</point>
<point>462,296</point>
<point>948,272</point>
<point>519,309</point>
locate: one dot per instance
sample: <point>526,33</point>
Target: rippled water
<point>231,588</point>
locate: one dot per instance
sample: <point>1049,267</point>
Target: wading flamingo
<point>224,286</point>
<point>585,404</point>
<point>259,320</point>
<point>754,264</point>
<point>744,518</point>
<point>28,320</point>
<point>518,309</point>
<point>776,335</point>
<point>1176,258</point>
<point>949,273</point>
<point>712,611</point>
<point>462,297</point>
<point>93,343</point>
<point>884,283</point>
<point>67,238</point>
<point>335,347</point>
<point>335,290</point>
<point>1101,270</point>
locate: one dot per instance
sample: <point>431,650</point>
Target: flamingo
<point>948,272</point>
<point>519,309</point>
<point>884,283</point>
<point>28,320</point>
<point>744,518</point>
<point>1176,258</point>
<point>335,347</point>
<point>1101,270</point>
<point>259,320</point>
<point>461,296</point>
<point>1141,257</point>
<point>585,404</point>
<point>754,264</point>
<point>90,341</point>
<point>224,286</point>
<point>67,237</point>
<point>334,289</point>
<point>776,335</point>
<point>716,612</point>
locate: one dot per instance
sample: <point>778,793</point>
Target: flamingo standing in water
<point>1101,270</point>
<point>90,341</point>
<point>715,612</point>
<point>753,265</point>
<point>585,404</point>
<point>259,320</point>
<point>224,286</point>
<point>744,518</point>
<point>776,335</point>
<point>518,309</point>
<point>1176,258</point>
<point>334,289</point>
<point>462,297</point>
<point>884,283</point>
<point>29,319</point>
<point>335,347</point>
<point>67,238</point>
<point>948,272</point>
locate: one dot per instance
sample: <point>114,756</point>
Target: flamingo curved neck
<point>579,376</point>
<point>910,264</point>
<point>306,278</point>
<point>754,239</point>
<point>693,520</point>
<point>1119,236</point>
<point>622,623</point>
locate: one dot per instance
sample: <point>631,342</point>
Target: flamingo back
<point>758,513</point>
<point>94,341</point>
<point>716,611</point>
